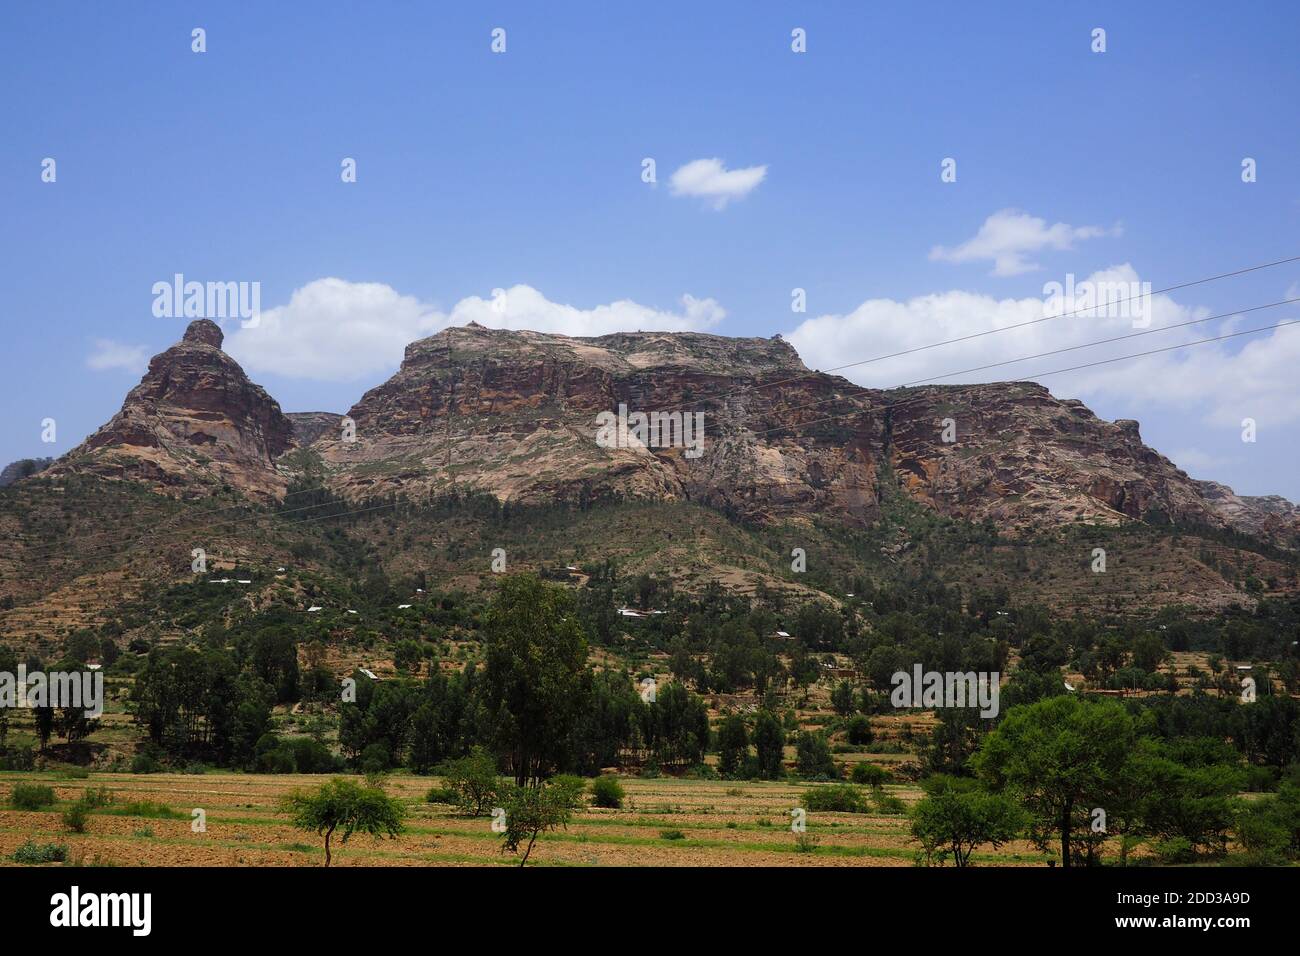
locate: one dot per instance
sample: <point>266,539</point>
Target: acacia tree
<point>957,816</point>
<point>532,811</point>
<point>536,673</point>
<point>347,805</point>
<point>1061,755</point>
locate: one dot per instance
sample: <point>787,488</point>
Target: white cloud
<point>114,355</point>
<point>710,179</point>
<point>523,307</point>
<point>335,330</point>
<point>1219,382</point>
<point>1009,236</point>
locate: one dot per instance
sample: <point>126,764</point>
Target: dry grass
<point>725,823</point>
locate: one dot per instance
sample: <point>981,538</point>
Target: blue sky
<point>523,171</point>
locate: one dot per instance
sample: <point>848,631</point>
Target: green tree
<point>1060,755</point>
<point>956,817</point>
<point>347,805</point>
<point>475,781</point>
<point>769,743</point>
<point>813,756</point>
<point>532,811</point>
<point>537,675</point>
<point>733,746</point>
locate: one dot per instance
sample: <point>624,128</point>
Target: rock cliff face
<point>1270,517</point>
<point>519,415</point>
<point>515,414</point>
<point>193,423</point>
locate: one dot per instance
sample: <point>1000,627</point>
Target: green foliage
<point>344,804</point>
<point>957,816</point>
<point>537,674</point>
<point>474,782</point>
<point>532,811</point>
<point>34,854</point>
<point>813,757</point>
<point>869,774</point>
<point>858,731</point>
<point>834,798</point>
<point>769,744</point>
<point>672,835</point>
<point>607,792</point>
<point>76,816</point>
<point>733,746</point>
<point>31,796</point>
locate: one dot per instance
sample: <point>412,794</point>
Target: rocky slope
<point>514,414</point>
<point>194,422</point>
<point>517,415</point>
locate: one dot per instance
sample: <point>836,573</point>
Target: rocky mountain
<point>744,428</point>
<point>1269,517</point>
<point>23,468</point>
<point>515,414</point>
<point>194,422</point>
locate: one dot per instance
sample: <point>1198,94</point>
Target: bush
<point>672,835</point>
<point>806,842</point>
<point>869,774</point>
<point>97,798</point>
<point>18,758</point>
<point>31,796</point>
<point>839,798</point>
<point>859,730</point>
<point>77,816</point>
<point>568,789</point>
<point>375,758</point>
<point>146,808</point>
<point>607,792</point>
<point>144,763</point>
<point>474,781</point>
<point>37,853</point>
<point>442,795</point>
<point>889,804</point>
<point>813,757</point>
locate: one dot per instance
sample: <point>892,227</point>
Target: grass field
<point>722,823</point>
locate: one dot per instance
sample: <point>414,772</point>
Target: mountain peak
<point>204,332</point>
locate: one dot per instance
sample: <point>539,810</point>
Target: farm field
<point>722,823</point>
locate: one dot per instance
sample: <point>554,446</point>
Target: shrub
<point>375,758</point>
<point>889,804</point>
<point>607,792</point>
<point>146,808</point>
<point>144,763</point>
<point>77,816</point>
<point>806,842</point>
<point>839,798</point>
<point>442,795</point>
<point>474,781</point>
<point>568,789</point>
<point>31,796</point>
<point>36,853</point>
<point>672,835</point>
<point>859,730</point>
<point>813,757</point>
<point>97,798</point>
<point>869,774</point>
